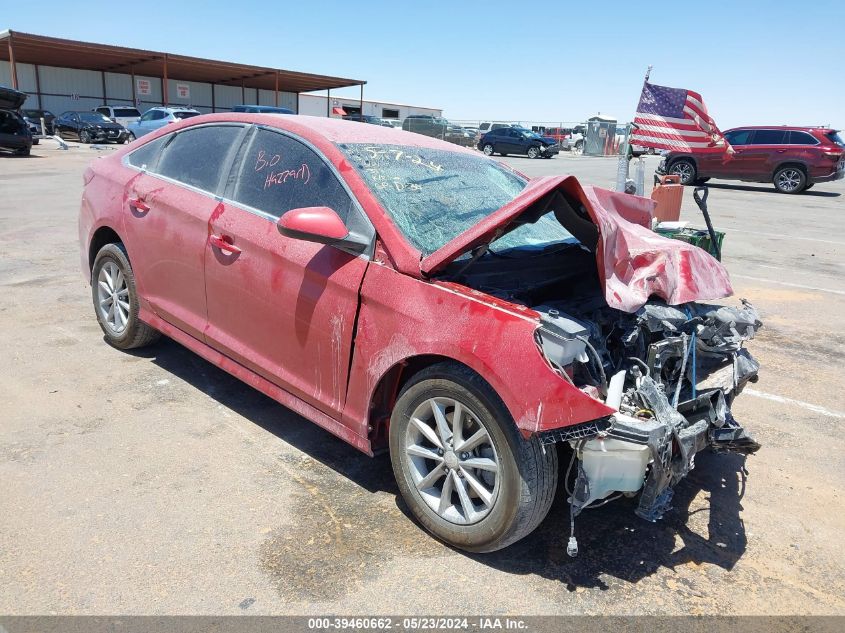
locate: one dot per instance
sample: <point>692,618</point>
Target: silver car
<point>155,118</point>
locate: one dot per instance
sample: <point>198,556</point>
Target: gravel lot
<point>152,482</point>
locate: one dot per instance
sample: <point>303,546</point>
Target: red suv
<point>792,158</point>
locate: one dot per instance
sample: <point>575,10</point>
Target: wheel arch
<point>792,163</point>
<point>102,236</point>
<point>687,157</point>
<point>391,384</point>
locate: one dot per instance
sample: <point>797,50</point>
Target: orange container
<point>668,194</point>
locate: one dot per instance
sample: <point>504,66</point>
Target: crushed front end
<point>671,372</point>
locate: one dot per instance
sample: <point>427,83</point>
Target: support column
<point>37,86</point>
<point>164,96</point>
<point>134,96</point>
<point>213,107</point>
<point>328,102</point>
<point>243,93</point>
<point>361,101</point>
<point>103,76</point>
<point>276,94</point>
<point>297,102</point>
<point>12,67</point>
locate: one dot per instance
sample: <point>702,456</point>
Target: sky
<point>754,62</point>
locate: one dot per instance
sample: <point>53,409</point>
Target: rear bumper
<point>836,174</point>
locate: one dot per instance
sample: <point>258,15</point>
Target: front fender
<point>402,317</point>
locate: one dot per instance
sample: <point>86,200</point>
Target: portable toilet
<point>601,135</point>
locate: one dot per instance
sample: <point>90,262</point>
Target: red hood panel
<point>634,263</point>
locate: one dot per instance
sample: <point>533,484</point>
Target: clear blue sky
<point>754,62</point>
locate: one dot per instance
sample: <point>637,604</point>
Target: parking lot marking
<point>799,403</point>
<point>786,283</point>
<point>781,236</point>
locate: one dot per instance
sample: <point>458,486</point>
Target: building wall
<point>315,105</point>
<point>70,89</point>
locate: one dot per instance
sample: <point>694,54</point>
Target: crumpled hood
<point>634,263</point>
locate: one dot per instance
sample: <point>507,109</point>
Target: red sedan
<point>409,294</point>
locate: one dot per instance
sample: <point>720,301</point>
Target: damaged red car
<point>410,295</point>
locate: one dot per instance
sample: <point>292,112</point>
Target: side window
<point>769,137</point>
<point>147,116</point>
<point>74,116</point>
<point>145,156</point>
<point>104,111</point>
<point>801,138</point>
<point>196,156</point>
<point>279,173</point>
<point>738,137</point>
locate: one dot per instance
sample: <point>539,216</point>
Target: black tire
<point>685,169</point>
<point>84,137</point>
<point>790,179</point>
<point>488,149</point>
<point>809,185</point>
<point>579,147</point>
<point>131,137</point>
<point>136,333</point>
<point>526,479</point>
<point>533,152</point>
<point>24,151</point>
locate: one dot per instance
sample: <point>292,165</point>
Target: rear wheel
<point>461,466</point>
<point>488,149</point>
<point>789,179</point>
<point>685,170</point>
<point>116,300</point>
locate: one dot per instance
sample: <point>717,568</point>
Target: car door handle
<point>780,151</point>
<point>138,205</point>
<point>224,243</point>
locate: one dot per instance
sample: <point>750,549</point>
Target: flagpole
<point>648,73</point>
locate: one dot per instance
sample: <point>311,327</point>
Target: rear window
<point>181,114</point>
<point>196,156</point>
<point>834,136</point>
<point>769,137</point>
<point>126,112</point>
<point>802,138</point>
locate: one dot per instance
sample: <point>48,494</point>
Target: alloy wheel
<point>113,297</point>
<point>452,460</point>
<point>533,152</point>
<point>683,170</point>
<point>789,180</point>
<point>488,149</point>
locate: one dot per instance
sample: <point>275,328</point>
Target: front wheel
<point>84,137</point>
<point>131,137</point>
<point>789,180</point>
<point>685,170</point>
<point>488,149</point>
<point>461,466</point>
<point>533,152</point>
<point>116,300</point>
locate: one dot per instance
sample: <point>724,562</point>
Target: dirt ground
<point>152,482</point>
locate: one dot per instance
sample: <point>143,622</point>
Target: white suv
<point>155,118</point>
<point>124,115</point>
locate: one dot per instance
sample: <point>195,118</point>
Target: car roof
<point>801,128</point>
<point>333,130</point>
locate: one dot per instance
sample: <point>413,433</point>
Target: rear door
<point>167,210</point>
<point>757,161</point>
<point>283,307</point>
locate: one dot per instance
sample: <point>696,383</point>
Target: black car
<point>366,118</point>
<point>34,116</point>
<point>14,131</point>
<point>89,127</point>
<point>518,140</point>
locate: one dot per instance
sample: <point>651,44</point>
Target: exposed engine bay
<point>671,372</point>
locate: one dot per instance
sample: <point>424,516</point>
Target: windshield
<point>834,136</point>
<point>434,195</point>
<point>182,114</point>
<point>94,117</point>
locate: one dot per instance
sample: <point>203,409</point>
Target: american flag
<point>676,119</point>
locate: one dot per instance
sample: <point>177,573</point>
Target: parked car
<point>34,116</point>
<point>792,158</point>
<point>367,118</point>
<point>14,130</point>
<point>410,295</point>
<point>487,126</point>
<point>89,127</point>
<point>459,136</point>
<point>262,108</point>
<point>518,140</point>
<point>426,124</point>
<point>154,118</point>
<point>124,115</point>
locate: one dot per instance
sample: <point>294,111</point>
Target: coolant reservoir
<point>613,466</point>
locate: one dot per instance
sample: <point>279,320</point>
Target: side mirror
<point>313,224</point>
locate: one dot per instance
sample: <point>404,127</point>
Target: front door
<point>753,162</point>
<point>167,209</point>
<point>726,164</point>
<point>283,307</point>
